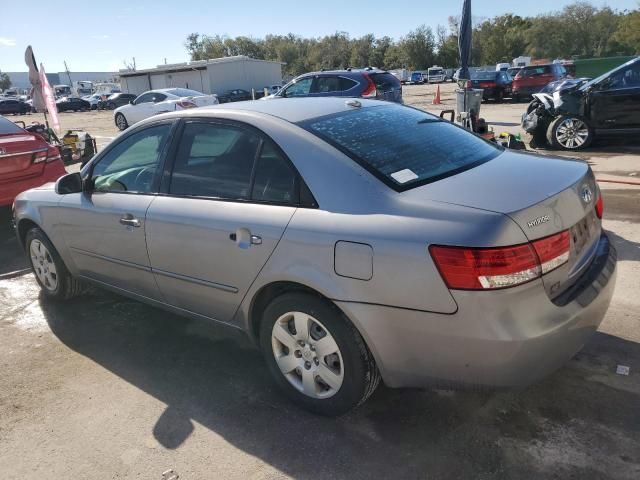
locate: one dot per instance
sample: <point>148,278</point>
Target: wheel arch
<point>24,225</point>
<point>266,294</point>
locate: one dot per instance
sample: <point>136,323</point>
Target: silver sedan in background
<point>353,240</point>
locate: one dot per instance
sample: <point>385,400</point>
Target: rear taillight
<point>552,251</point>
<point>186,104</point>
<point>487,84</point>
<point>50,155</point>
<point>370,91</point>
<point>599,205</point>
<point>501,267</point>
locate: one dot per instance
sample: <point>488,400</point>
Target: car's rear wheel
<point>121,122</point>
<point>111,106</point>
<point>51,273</point>
<point>569,133</point>
<point>316,355</point>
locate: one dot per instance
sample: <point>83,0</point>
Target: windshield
<point>402,146</point>
<point>184,92</point>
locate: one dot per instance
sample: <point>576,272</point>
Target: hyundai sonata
<point>353,240</point>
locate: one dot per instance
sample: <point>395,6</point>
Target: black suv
<point>365,83</point>
<point>574,114</point>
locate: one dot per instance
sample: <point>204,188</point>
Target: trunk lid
<point>17,154</point>
<point>542,195</point>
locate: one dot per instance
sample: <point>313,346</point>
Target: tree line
<point>578,30</point>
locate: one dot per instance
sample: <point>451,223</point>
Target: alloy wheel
<point>121,122</point>
<point>43,265</point>
<point>572,133</point>
<point>307,355</point>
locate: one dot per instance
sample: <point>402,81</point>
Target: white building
<point>207,76</point>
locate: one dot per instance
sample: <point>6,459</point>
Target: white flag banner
<point>50,101</point>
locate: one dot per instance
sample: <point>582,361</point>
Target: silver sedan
<point>353,240</point>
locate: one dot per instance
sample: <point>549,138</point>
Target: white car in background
<point>93,100</point>
<point>159,101</point>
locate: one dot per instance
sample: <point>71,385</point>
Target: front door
<point>220,219</point>
<point>105,228</point>
<point>615,103</point>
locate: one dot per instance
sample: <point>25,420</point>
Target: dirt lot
<point>105,387</point>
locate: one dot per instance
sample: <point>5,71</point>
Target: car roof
<point>292,110</point>
<point>345,71</point>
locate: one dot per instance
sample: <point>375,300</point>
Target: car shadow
<point>212,375</point>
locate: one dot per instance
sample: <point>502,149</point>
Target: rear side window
<point>275,179</point>
<point>327,84</point>
<point>402,146</point>
<point>214,160</point>
<point>384,81</point>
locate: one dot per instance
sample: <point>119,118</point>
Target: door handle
<point>244,239</point>
<point>130,221</point>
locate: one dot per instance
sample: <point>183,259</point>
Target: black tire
<point>361,376</point>
<point>111,106</point>
<point>121,122</point>
<point>67,286</point>
<point>499,98</point>
<point>553,134</point>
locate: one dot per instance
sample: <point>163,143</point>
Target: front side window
<point>131,165</point>
<point>626,78</point>
<point>214,160</point>
<point>402,146</point>
<point>301,87</point>
<point>144,98</point>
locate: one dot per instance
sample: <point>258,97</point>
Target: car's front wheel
<point>121,122</point>
<point>569,133</point>
<point>51,273</point>
<point>316,355</point>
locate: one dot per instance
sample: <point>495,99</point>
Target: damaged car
<point>572,115</point>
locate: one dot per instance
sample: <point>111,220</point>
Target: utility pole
<point>69,76</point>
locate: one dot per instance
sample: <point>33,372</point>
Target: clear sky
<point>98,36</point>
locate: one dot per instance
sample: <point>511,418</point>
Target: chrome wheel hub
<point>43,265</point>
<point>572,133</point>
<point>307,355</point>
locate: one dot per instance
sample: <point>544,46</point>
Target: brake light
<point>552,251</point>
<point>186,104</point>
<point>50,155</point>
<point>465,268</point>
<point>370,91</point>
<point>599,205</point>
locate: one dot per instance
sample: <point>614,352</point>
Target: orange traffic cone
<point>436,99</point>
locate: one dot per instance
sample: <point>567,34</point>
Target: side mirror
<point>70,183</point>
<point>131,101</point>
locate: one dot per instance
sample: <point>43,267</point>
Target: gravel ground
<point>105,387</point>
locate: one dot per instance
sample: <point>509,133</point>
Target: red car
<point>26,161</point>
<point>532,79</point>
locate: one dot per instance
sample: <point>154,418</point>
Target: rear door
<point>220,218</point>
<point>105,228</point>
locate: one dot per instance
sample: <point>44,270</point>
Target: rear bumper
<point>51,172</point>
<point>504,338</point>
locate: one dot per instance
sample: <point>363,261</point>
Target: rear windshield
<point>9,128</point>
<point>535,71</point>
<point>402,146</point>
<point>483,75</point>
